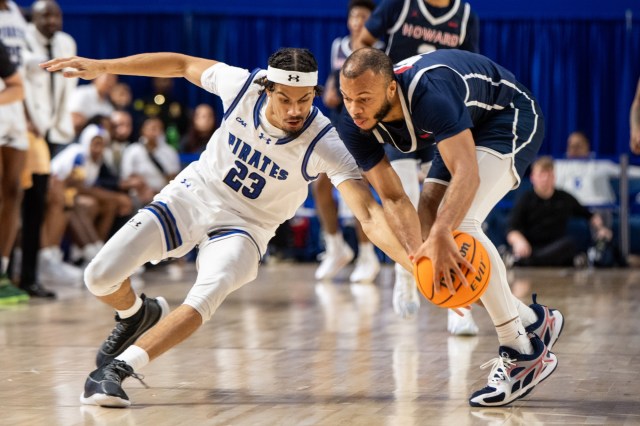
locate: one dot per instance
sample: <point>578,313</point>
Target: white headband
<point>292,78</point>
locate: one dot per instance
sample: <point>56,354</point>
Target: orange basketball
<point>477,255</point>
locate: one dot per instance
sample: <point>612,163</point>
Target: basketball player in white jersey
<point>13,137</point>
<point>252,177</point>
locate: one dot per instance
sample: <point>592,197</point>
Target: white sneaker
<point>52,269</point>
<point>406,300</point>
<point>334,260</point>
<point>461,326</point>
<point>367,267</point>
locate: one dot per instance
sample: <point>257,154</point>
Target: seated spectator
<point>121,97</point>
<point>202,127</point>
<point>538,224</point>
<point>90,100</point>
<point>161,103</point>
<point>587,178</point>
<point>149,164</point>
<point>121,137</point>
<point>79,167</point>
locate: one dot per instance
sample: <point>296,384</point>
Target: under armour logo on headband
<point>291,77</point>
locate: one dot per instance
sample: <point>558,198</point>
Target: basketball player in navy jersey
<point>488,129</point>
<point>412,27</point>
<point>253,175</point>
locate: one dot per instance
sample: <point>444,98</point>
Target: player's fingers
<point>74,73</point>
<point>461,276</point>
<point>465,262</point>
<point>449,282</point>
<point>56,64</point>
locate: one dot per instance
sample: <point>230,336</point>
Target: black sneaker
<point>37,290</point>
<point>127,330</point>
<point>104,385</point>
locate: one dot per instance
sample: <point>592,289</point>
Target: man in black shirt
<point>538,224</point>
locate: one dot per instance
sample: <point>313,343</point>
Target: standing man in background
<point>413,27</point>
<point>50,129</point>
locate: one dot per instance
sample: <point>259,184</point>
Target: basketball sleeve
<point>224,81</point>
<point>438,104</point>
<point>330,156</point>
<point>6,67</point>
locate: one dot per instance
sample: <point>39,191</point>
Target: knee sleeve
<point>131,247</point>
<point>407,171</point>
<point>224,265</point>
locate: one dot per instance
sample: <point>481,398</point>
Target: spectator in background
<point>538,224</point>
<point>91,100</point>
<point>587,178</point>
<point>634,119</point>
<point>149,164</point>
<point>202,127</point>
<point>338,253</point>
<point>121,137</point>
<point>413,27</point>
<point>79,167</point>
<point>13,139</point>
<point>121,97</point>
<point>49,124</point>
<point>162,104</point>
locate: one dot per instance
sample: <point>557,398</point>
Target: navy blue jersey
<point>444,93</point>
<point>7,68</point>
<point>413,27</point>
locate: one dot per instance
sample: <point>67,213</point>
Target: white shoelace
<point>499,368</point>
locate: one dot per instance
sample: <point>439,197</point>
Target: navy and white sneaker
<point>104,385</point>
<point>128,330</point>
<point>513,375</point>
<point>549,325</point>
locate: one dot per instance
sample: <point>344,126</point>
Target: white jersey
<point>251,177</point>
<point>13,30</point>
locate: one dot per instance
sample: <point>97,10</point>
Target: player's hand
<point>445,258</point>
<point>85,68</point>
<point>522,249</point>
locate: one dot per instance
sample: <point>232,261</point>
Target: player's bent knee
<point>102,279</point>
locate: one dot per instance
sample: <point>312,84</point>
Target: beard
<point>378,116</point>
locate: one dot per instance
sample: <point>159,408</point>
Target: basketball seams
<point>427,288</point>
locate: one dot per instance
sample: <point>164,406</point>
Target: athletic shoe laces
<point>499,367</point>
<point>123,329</point>
<point>118,370</point>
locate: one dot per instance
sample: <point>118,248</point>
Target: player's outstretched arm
<point>401,215</point>
<point>369,213</point>
<point>162,64</point>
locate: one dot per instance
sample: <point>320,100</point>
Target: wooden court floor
<point>286,350</point>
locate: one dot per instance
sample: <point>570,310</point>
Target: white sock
<point>333,241</point>
<point>135,356</point>
<point>366,249</point>
<point>4,265</point>
<point>512,334</point>
<point>527,315</point>
<point>128,313</point>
